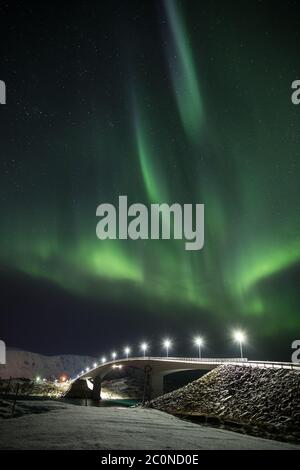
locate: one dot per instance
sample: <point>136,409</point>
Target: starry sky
<point>162,101</point>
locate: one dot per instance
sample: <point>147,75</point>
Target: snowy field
<point>54,425</point>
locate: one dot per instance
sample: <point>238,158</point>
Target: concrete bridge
<point>155,369</point>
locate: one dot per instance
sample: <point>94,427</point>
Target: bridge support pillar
<point>96,393</point>
<point>79,389</point>
<point>157,385</point>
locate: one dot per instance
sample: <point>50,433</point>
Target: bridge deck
<point>184,363</point>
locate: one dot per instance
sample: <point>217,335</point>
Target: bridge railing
<point>274,365</point>
<point>234,360</point>
<point>198,359</point>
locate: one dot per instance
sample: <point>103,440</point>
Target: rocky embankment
<point>264,402</point>
<point>127,387</point>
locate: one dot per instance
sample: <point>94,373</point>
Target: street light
<point>167,344</point>
<point>199,342</point>
<point>127,351</point>
<point>95,365</point>
<point>144,347</point>
<point>239,337</point>
<point>103,360</point>
<point>114,355</point>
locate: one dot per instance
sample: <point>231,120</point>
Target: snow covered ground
<point>54,425</point>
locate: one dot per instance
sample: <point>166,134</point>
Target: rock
<point>266,400</point>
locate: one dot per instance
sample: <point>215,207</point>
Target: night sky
<point>162,101</point>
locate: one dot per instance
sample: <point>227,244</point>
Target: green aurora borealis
<point>187,102</point>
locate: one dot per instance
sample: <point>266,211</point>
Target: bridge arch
<point>159,367</point>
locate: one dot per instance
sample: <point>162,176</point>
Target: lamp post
<point>127,351</point>
<point>240,338</point>
<point>199,343</point>
<point>144,347</point>
<point>167,344</point>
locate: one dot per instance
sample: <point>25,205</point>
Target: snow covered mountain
<point>29,365</point>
